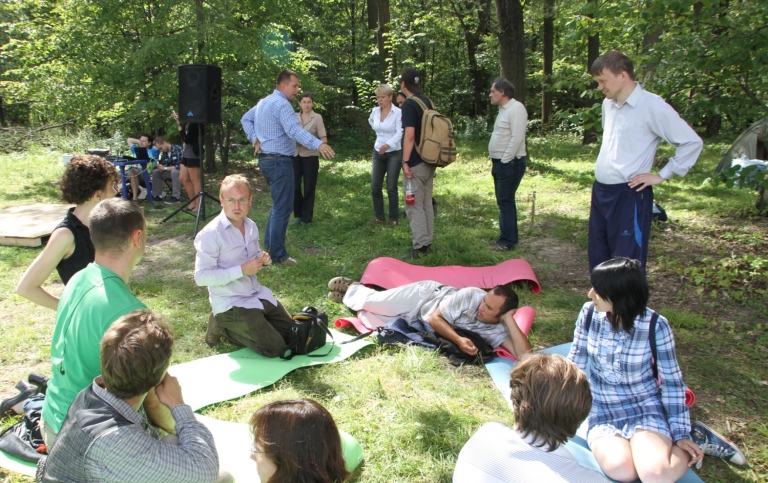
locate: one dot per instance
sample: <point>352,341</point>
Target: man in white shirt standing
<point>634,122</point>
<point>507,150</point>
<point>551,397</point>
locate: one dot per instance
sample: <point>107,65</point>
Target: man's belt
<point>271,155</point>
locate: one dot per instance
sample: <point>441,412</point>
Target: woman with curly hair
<point>87,180</point>
<point>297,441</point>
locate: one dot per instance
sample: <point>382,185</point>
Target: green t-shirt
<point>93,299</point>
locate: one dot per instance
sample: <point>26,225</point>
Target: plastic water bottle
<point>409,198</point>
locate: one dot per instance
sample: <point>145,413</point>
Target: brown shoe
<point>212,335</point>
<point>341,284</point>
<point>392,223</point>
<point>335,296</point>
<point>377,221</point>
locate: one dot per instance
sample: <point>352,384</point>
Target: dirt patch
<point>558,263</point>
<point>170,255</point>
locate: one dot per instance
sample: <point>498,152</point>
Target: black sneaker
<point>172,200</point>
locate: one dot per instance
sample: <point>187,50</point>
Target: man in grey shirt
<point>106,436</point>
<point>433,307</point>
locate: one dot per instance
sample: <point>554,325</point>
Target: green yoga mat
<point>228,376</point>
<point>223,377</point>
<point>233,443</point>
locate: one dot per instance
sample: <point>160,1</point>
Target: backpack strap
<point>333,341</point>
<point>361,336</point>
<point>652,340</point>
<point>590,313</point>
<point>424,109</point>
<point>421,103</point>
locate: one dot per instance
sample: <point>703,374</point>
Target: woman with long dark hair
<point>639,426</point>
<point>297,441</point>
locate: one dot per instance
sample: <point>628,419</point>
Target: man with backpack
<point>419,176</point>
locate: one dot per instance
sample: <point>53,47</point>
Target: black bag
<point>307,334</point>
<point>24,439</point>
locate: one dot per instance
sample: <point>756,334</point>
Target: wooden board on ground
<point>27,225</point>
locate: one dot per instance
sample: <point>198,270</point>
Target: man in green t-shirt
<point>95,297</point>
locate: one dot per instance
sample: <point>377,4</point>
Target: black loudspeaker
<point>200,93</point>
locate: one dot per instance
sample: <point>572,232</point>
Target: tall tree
<point>593,52</point>
<point>548,53</point>
<point>512,44</point>
<point>474,16</point>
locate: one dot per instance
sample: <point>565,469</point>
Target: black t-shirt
<point>84,252</point>
<point>412,113</point>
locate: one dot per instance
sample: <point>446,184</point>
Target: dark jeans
<point>506,179</point>
<point>266,331</point>
<point>389,164</point>
<point>278,172</point>
<point>307,168</point>
<point>619,223</point>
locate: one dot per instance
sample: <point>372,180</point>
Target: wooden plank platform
<point>27,225</point>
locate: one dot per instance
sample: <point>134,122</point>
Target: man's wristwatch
<point>405,161</point>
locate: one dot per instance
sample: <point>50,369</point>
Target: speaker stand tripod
<point>202,194</point>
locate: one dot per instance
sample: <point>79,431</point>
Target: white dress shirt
<point>508,138</point>
<point>632,132</point>
<point>389,131</point>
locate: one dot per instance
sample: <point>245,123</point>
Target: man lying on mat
<point>228,258</point>
<point>434,307</point>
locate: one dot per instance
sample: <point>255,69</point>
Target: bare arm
<point>443,328</point>
<point>60,246</point>
<point>408,140</point>
<point>517,343</point>
<point>132,142</point>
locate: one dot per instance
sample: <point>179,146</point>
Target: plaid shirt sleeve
<point>129,453</point>
<point>173,158</point>
<point>672,387</point>
<point>287,119</point>
<point>248,122</point>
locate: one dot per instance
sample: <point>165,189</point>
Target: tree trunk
<point>593,52</point>
<point>512,44</point>
<point>381,33</point>
<point>200,24</point>
<point>210,150</point>
<point>482,9</point>
<point>548,54</point>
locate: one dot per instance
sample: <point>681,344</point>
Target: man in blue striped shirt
<point>272,128</point>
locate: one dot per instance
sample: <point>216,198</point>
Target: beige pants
<point>421,214</point>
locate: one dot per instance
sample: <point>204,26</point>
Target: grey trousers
<point>421,214</point>
<point>157,182</point>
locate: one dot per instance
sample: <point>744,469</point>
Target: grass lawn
<point>410,409</point>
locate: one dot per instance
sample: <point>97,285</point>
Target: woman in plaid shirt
<point>639,427</point>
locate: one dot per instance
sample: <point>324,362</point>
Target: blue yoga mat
<point>499,369</point>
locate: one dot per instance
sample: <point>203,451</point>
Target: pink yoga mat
<point>389,273</point>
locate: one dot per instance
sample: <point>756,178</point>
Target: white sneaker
<point>288,261</point>
<point>142,193</point>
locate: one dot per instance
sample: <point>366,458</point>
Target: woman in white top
<point>306,163</point>
<point>386,121</point>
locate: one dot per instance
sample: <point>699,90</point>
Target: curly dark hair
<point>85,175</point>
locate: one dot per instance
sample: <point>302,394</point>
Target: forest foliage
<point>112,65</point>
